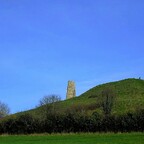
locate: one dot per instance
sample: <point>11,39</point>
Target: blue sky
<point>45,43</point>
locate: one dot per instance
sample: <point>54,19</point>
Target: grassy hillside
<point>78,114</point>
<point>129,94</point>
<point>129,97</point>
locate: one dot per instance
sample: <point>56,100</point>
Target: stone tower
<point>71,92</point>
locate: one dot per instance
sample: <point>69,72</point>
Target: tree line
<point>72,122</point>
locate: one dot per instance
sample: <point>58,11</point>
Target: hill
<point>84,113</point>
<point>129,94</point>
<point>129,97</point>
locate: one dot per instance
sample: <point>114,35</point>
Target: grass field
<point>124,138</point>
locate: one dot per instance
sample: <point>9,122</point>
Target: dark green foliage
<point>26,124</point>
<point>23,124</point>
<point>73,122</point>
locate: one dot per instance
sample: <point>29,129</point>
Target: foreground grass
<point>124,138</point>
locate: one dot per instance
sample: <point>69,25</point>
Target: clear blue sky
<point>45,43</point>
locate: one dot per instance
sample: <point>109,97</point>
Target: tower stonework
<point>71,92</point>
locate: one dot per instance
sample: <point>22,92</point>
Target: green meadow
<point>89,138</point>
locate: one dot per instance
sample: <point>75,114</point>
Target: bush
<point>73,122</point>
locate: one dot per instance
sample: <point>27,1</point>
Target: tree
<point>48,102</point>
<point>49,99</point>
<point>4,110</point>
<point>107,100</point>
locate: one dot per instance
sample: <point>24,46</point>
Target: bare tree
<point>48,103</point>
<point>4,109</point>
<point>49,99</point>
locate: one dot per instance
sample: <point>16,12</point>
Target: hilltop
<point>129,98</point>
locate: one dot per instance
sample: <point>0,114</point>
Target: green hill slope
<point>129,97</point>
<point>84,113</point>
<point>129,94</point>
